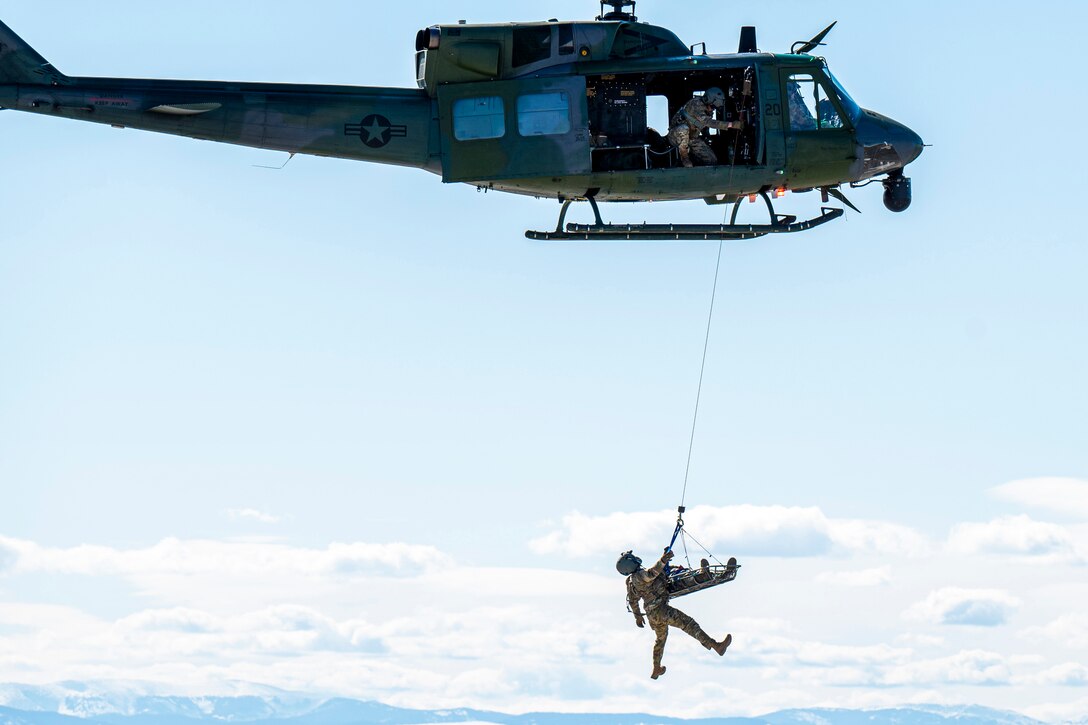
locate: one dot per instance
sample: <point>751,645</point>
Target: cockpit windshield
<point>853,110</point>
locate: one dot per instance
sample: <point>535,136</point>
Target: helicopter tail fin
<point>20,64</point>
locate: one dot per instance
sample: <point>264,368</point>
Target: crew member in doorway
<point>652,587</point>
<point>686,129</point>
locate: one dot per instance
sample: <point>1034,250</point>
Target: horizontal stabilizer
<point>21,64</point>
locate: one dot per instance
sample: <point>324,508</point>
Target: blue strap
<point>675,535</point>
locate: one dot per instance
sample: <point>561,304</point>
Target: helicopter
<point>555,110</point>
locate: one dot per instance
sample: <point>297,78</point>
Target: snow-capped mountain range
<point>108,704</point>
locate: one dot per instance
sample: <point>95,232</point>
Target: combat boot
<point>721,647</point>
<point>703,574</point>
<point>658,671</point>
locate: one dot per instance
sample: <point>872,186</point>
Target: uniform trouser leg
<point>680,138</point>
<point>702,153</point>
<point>663,617</point>
<point>661,629</point>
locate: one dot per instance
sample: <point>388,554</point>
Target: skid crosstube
<point>783,224</point>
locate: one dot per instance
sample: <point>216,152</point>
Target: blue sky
<point>194,349</point>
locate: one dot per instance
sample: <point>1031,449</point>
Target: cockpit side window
<point>531,45</point>
<point>810,104</point>
<point>853,110</point>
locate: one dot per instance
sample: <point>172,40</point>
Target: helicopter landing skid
<point>780,224</point>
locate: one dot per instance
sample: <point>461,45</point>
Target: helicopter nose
<point>888,144</point>
<point>908,144</point>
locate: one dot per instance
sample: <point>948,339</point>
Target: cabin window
<point>566,40</point>
<point>810,105</point>
<point>544,114</point>
<point>479,118</point>
<point>657,114</point>
<point>532,45</point>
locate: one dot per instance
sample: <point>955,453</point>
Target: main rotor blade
<point>815,42</point>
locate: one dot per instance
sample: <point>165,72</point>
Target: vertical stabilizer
<point>20,64</point>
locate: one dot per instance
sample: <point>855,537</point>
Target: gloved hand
<point>667,556</point>
<point>640,621</point>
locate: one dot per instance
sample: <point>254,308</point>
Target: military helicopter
<point>553,109</point>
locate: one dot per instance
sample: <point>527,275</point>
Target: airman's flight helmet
<point>715,97</point>
<point>628,564</point>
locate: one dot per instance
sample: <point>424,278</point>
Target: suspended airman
<point>686,128</point>
<point>652,587</point>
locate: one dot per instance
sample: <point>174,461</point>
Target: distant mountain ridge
<point>80,704</point>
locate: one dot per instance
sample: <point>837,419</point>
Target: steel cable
<point>702,373</point>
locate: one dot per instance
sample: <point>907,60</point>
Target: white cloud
<point>196,557</point>
<point>820,654</point>
<point>8,557</point>
<point>922,641</point>
<point>426,655</point>
<point>484,681</point>
<point>253,515</point>
<point>1014,535</point>
<point>1064,712</point>
<point>760,625</point>
<point>975,607</point>
<point>973,667</point>
<point>1066,496</point>
<point>332,620</point>
<point>742,530</point>
<point>581,535</point>
<point>58,620</point>
<point>863,578</point>
<point>768,647</point>
<point>281,629</point>
<point>1068,674</point>
<point>878,537</point>
<point>1070,630</point>
<point>178,619</point>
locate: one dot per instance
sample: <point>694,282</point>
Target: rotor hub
<point>619,10</point>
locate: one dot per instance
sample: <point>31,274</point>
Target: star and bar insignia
<point>375,131</point>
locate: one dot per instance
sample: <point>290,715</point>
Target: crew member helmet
<point>715,97</point>
<point>628,564</point>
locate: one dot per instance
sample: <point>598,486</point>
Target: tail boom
<point>384,125</point>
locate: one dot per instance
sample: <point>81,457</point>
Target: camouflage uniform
<point>685,132</point>
<point>651,585</point>
<point>800,116</point>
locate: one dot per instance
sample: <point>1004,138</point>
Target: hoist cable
<point>702,372</point>
<point>708,553</point>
